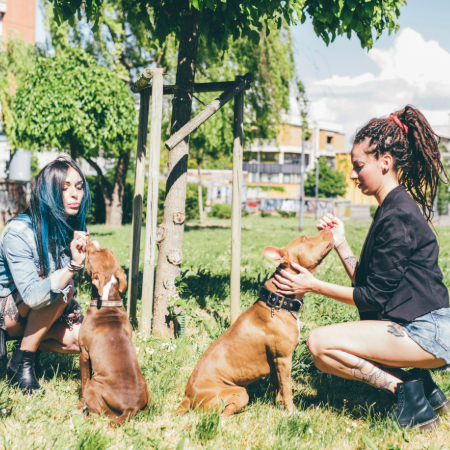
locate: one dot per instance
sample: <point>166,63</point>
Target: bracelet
<point>345,240</point>
<point>74,267</point>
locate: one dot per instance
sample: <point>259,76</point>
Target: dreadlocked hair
<point>416,155</point>
<point>52,226</point>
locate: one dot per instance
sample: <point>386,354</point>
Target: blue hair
<point>51,223</point>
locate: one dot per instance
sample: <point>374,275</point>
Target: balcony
<point>272,168</point>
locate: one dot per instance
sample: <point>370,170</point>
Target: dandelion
<point>172,348</point>
<point>137,350</point>
<point>310,430</point>
<point>4,411</point>
<point>354,424</point>
<point>68,388</point>
<point>71,427</point>
<point>347,422</point>
<point>348,430</point>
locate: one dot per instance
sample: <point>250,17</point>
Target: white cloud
<point>413,71</point>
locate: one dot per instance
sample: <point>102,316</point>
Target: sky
<point>349,85</point>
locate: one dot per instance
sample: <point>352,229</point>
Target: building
<point>280,161</point>
<point>18,18</point>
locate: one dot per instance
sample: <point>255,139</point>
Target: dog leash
<point>277,301</point>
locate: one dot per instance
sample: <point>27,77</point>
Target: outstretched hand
<point>293,284</point>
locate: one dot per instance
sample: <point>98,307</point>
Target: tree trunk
<point>113,200</point>
<point>170,246</point>
<point>200,196</point>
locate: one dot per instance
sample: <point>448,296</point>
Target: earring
<point>385,170</point>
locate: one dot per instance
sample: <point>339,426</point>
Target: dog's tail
<point>183,408</point>
<point>128,414</point>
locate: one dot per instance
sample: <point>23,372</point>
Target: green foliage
<point>70,102</point>
<point>373,210</point>
<point>17,60</point>
<point>221,211</point>
<point>443,193</point>
<point>332,183</point>
<point>220,18</point>
<point>98,212</point>
<point>286,213</point>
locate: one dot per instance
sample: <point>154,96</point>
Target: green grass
<point>331,413</point>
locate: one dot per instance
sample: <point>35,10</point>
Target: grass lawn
<point>331,413</point>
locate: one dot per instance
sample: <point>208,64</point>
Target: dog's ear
<point>122,278</point>
<point>277,254</point>
<point>98,280</point>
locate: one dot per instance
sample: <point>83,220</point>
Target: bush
<point>286,213</point>
<point>98,210</point>
<point>244,213</point>
<point>332,183</point>
<point>221,210</point>
<point>373,210</point>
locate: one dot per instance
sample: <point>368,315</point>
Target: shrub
<point>221,210</point>
<point>286,213</point>
<point>373,210</point>
<point>98,211</point>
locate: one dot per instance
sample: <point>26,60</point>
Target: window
<point>286,178</point>
<point>329,139</point>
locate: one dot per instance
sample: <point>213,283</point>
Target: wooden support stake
<point>236,206</point>
<point>152,203</point>
<point>143,81</point>
<point>238,86</point>
<point>139,185</point>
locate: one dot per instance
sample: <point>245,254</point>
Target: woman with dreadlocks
<point>398,288</point>
<point>40,251</point>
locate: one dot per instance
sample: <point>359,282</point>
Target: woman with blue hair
<point>40,251</point>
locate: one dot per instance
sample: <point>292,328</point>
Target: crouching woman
<point>398,285</point>
<point>40,251</point>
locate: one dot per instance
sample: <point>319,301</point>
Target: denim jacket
<point>20,266</point>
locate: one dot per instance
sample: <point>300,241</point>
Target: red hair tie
<point>397,121</point>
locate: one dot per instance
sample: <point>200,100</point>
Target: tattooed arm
<point>348,259</point>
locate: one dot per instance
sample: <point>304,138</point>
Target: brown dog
<point>111,379</point>
<point>259,343</point>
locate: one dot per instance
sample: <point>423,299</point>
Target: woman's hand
<point>78,246</point>
<point>336,226</point>
<point>289,284</point>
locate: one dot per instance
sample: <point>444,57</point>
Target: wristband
<point>74,267</point>
<point>345,240</point>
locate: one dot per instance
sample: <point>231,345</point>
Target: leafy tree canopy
<point>70,102</point>
<point>332,183</point>
<point>17,59</point>
<point>224,18</point>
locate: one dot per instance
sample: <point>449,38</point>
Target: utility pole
<point>302,181</point>
<point>268,187</point>
<point>316,145</point>
<point>258,173</point>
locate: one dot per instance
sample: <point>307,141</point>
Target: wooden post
<point>238,86</point>
<point>152,202</point>
<point>238,151</point>
<point>139,185</point>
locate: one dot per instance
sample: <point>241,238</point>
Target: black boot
<point>21,372</point>
<point>38,367</point>
<point>437,399</point>
<point>412,408</point>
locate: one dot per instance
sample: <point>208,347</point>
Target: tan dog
<point>257,344</point>
<point>111,379</point>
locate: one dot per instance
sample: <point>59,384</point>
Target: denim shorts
<point>432,332</point>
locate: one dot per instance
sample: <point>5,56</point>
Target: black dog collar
<point>277,301</point>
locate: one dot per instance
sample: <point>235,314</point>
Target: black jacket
<point>398,277</point>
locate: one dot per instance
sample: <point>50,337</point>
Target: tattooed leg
<point>396,330</point>
<point>15,315</point>
<point>371,374</point>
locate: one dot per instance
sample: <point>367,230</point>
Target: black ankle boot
<point>436,398</point>
<point>412,408</point>
<point>38,367</point>
<point>21,372</point>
